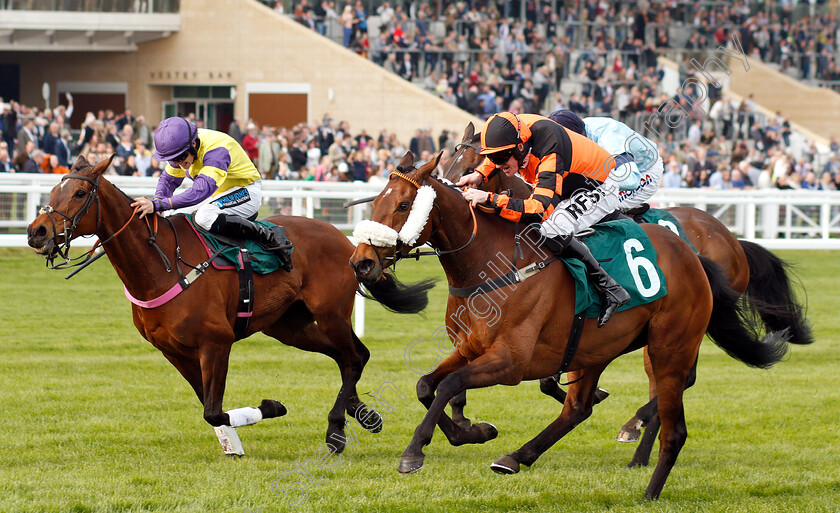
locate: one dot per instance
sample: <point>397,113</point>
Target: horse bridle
<point>63,249</point>
<point>399,255</point>
<point>460,147</point>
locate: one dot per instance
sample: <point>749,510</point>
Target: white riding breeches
<point>648,185</point>
<point>582,210</point>
<point>239,201</point>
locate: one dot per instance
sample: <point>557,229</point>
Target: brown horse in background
<point>525,338</point>
<point>753,271</point>
<point>308,308</point>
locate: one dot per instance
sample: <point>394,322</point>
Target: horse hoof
<point>336,441</point>
<point>628,436</point>
<point>368,418</point>
<point>485,430</point>
<point>271,409</point>
<point>600,395</point>
<point>409,464</point>
<point>634,464</point>
<point>631,431</point>
<point>505,465</point>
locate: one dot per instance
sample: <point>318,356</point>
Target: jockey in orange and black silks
<point>557,161</point>
<point>572,188</point>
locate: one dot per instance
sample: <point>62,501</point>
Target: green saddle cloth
<point>262,261</point>
<point>664,218</point>
<point>626,253</point>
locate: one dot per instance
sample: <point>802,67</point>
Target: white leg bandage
<point>244,416</point>
<point>229,440</point>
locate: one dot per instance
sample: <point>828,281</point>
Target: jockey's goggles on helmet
<point>180,158</point>
<point>500,158</point>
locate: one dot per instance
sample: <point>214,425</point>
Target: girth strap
<point>571,345</point>
<point>245,307</point>
<point>510,278</point>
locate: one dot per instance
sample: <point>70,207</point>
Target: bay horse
<point>308,308</point>
<point>525,337</point>
<point>762,278</point>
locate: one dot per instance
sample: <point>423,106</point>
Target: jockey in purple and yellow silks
<point>226,185</point>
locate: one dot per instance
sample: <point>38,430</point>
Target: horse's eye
<point>403,206</point>
<point>80,194</point>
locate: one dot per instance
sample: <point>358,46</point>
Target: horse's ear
<point>407,161</point>
<point>102,166</point>
<point>426,169</point>
<point>81,163</point>
<point>469,132</point>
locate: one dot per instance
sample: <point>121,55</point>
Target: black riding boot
<point>241,228</point>
<point>612,294</point>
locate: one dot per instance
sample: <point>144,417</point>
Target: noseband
<point>398,252</point>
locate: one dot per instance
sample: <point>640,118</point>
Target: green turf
<point>94,419</point>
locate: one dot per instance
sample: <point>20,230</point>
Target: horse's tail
<point>770,294</point>
<point>398,297</point>
<point>732,328</point>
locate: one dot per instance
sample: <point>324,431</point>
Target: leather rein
<point>87,258</point>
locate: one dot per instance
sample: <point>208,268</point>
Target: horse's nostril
<point>364,267</point>
<point>40,232</point>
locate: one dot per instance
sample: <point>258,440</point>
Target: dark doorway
<point>10,82</point>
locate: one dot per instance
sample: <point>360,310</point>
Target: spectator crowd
<point>484,60</point>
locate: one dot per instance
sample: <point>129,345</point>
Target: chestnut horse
<point>753,271</point>
<point>526,336</point>
<point>309,307</point>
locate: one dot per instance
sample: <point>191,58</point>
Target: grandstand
<point>713,82</point>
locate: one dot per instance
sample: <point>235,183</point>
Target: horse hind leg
<point>650,412</point>
<point>331,336</point>
<point>671,440</point>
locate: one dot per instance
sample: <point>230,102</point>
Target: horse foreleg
<point>364,414</point>
<point>550,387</point>
<point>214,366</point>
<point>577,408</point>
<point>641,457</point>
<point>455,432</point>
<point>213,358</point>
<point>453,377</point>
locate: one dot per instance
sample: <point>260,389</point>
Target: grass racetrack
<point>94,419</point>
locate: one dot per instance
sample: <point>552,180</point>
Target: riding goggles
<point>500,158</point>
<point>180,158</point>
